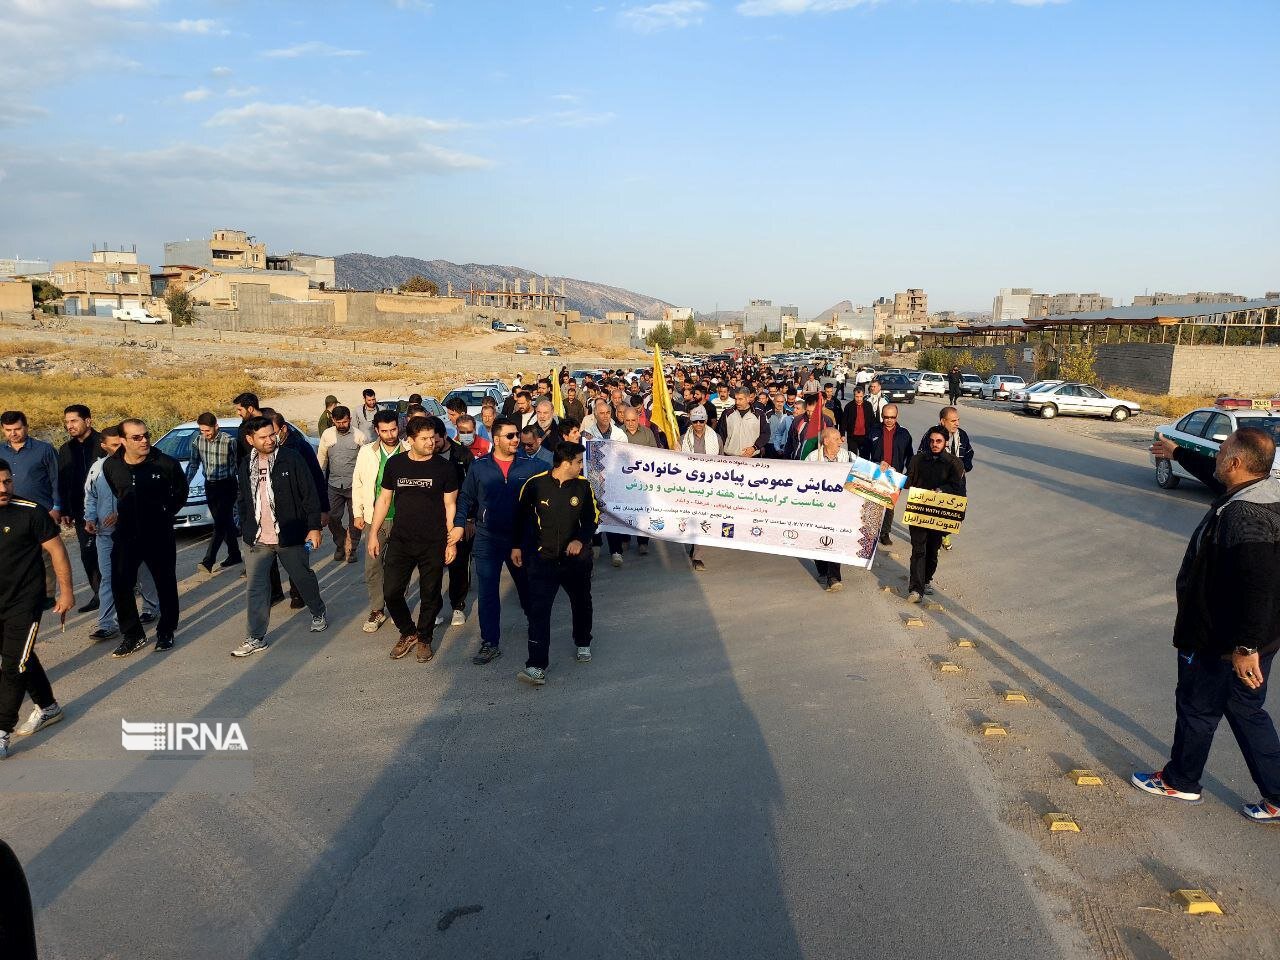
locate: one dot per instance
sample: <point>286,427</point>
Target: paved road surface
<point>749,767</point>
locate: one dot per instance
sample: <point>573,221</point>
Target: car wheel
<point>1164,475</point>
<point>1048,411</point>
<point>1120,413</point>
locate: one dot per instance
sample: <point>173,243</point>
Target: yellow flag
<point>557,398</point>
<point>663,415</point>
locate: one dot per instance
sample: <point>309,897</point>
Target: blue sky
<point>702,151</point>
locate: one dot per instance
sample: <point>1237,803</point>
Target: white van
<point>134,313</point>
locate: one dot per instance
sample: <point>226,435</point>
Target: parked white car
<point>931,383</point>
<point>134,314</point>
<point>1080,399</point>
<point>999,386</point>
<point>1020,395</point>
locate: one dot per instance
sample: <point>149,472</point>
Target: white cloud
<point>311,48</point>
<point>770,8</point>
<point>196,26</point>
<point>671,14</point>
<point>14,114</point>
<point>221,71</point>
<point>242,91</point>
<point>196,95</point>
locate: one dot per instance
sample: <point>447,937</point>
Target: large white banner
<point>820,510</point>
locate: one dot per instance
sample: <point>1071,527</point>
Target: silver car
<point>1080,399</point>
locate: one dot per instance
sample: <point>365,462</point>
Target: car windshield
<point>894,380</point>
<point>1269,424</point>
<point>473,398</point>
<point>177,442</point>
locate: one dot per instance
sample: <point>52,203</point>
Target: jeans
<point>340,508</point>
<point>490,554</point>
<point>925,544</point>
<point>460,576</point>
<point>221,495</point>
<point>827,568</point>
<point>373,568</point>
<point>89,557</point>
<point>1207,689</point>
<point>158,550</point>
<point>400,559</point>
<point>107,600</point>
<point>546,577</point>
<point>297,563</point>
<point>17,639</point>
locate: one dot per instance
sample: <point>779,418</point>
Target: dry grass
<point>1162,405</point>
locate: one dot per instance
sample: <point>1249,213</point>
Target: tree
<point>984,365</point>
<point>43,290</point>
<point>801,342</point>
<point>690,330</point>
<point>420,284</point>
<point>1077,363</point>
<point>705,340</point>
<point>182,311</point>
<point>1011,360</point>
<point>661,336</point>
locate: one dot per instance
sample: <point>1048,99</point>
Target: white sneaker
<point>319,624</point>
<point>4,745</point>
<point>459,618</point>
<point>251,645</point>
<point>38,720</point>
<point>439,619</point>
<point>913,597</point>
<point>617,559</point>
<point>532,675</point>
<point>376,619</point>
<point>584,655</point>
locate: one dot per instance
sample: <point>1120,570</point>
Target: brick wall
<point>1252,371</point>
<point>1139,366</point>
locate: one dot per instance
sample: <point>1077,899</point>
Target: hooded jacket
<point>1228,587</point>
<point>297,505</point>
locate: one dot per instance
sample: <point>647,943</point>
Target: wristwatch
<point>1246,651</point>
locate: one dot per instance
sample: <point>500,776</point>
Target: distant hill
<point>362,271</point>
<point>840,307</point>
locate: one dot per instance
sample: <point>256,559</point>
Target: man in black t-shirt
<point>424,488</point>
<point>25,530</point>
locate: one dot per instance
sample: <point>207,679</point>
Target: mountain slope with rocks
<point>363,271</point>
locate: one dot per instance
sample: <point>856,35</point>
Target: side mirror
<point>1219,437</point>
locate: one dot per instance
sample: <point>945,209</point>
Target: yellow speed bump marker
<point>949,666</point>
<point>1015,696</point>
<point>1196,901</point>
<point>992,729</point>
<point>914,622</point>
<point>1060,823</point>
<point>886,589</point>
<point>1084,778</point>
<point>932,605</point>
<point>964,643</point>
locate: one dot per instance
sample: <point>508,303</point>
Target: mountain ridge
<point>364,271</point>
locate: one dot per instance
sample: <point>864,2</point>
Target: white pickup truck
<point>134,313</point>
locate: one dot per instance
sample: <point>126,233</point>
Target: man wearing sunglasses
<point>150,488</point>
<point>488,497</point>
<point>890,446</point>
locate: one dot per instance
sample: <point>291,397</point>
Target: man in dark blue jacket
<point>289,437</point>
<point>890,446</point>
<point>488,498</point>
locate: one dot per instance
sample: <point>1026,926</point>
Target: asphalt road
<point>748,768</point>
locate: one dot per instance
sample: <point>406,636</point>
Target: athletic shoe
<point>99,635</point>
<point>1153,783</point>
<point>251,645</point>
<point>584,655</point>
<point>616,559</point>
<point>459,618</point>
<point>319,624</point>
<point>424,651</point>
<point>487,653</point>
<point>403,645</point>
<point>376,619</point>
<point>532,675</point>
<point>164,641</point>
<point>228,563</point>
<point>928,589</point>
<point>4,745</point>
<point>834,585</point>
<point>205,567</point>
<point>38,720</point>
<point>129,646</point>
<point>148,617</point>
<point>699,566</point>
<point>439,619</point>
<point>643,550</point>
<point>1264,811</point>
<point>913,597</point>
<point>340,556</point>
<point>91,606</point>
<point>296,603</point>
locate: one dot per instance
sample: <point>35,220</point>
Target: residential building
<point>1012,303</point>
<point>15,295</point>
<point>110,280</point>
<point>18,267</point>
<point>641,327</point>
<point>762,315</point>
<point>234,249</point>
<point>673,315</point>
<point>321,271</point>
<point>911,307</point>
<point>1044,305</point>
<point>620,316</point>
<point>1160,299</point>
<point>882,310</point>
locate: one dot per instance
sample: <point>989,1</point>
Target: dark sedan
<point>897,387</point>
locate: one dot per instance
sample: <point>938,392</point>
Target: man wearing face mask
<point>469,438</point>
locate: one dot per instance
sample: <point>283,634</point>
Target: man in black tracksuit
<point>555,520</point>
<point>75,457</point>
<point>938,470</point>
<point>150,489</point>
<point>1228,626</point>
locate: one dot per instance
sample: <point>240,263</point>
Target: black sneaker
<point>277,598</point>
<point>99,635</point>
<point>340,556</point>
<point>164,641</point>
<point>129,646</point>
<point>205,567</point>
<point>148,618</point>
<point>230,562</point>
<point>91,606</point>
<point>486,654</point>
